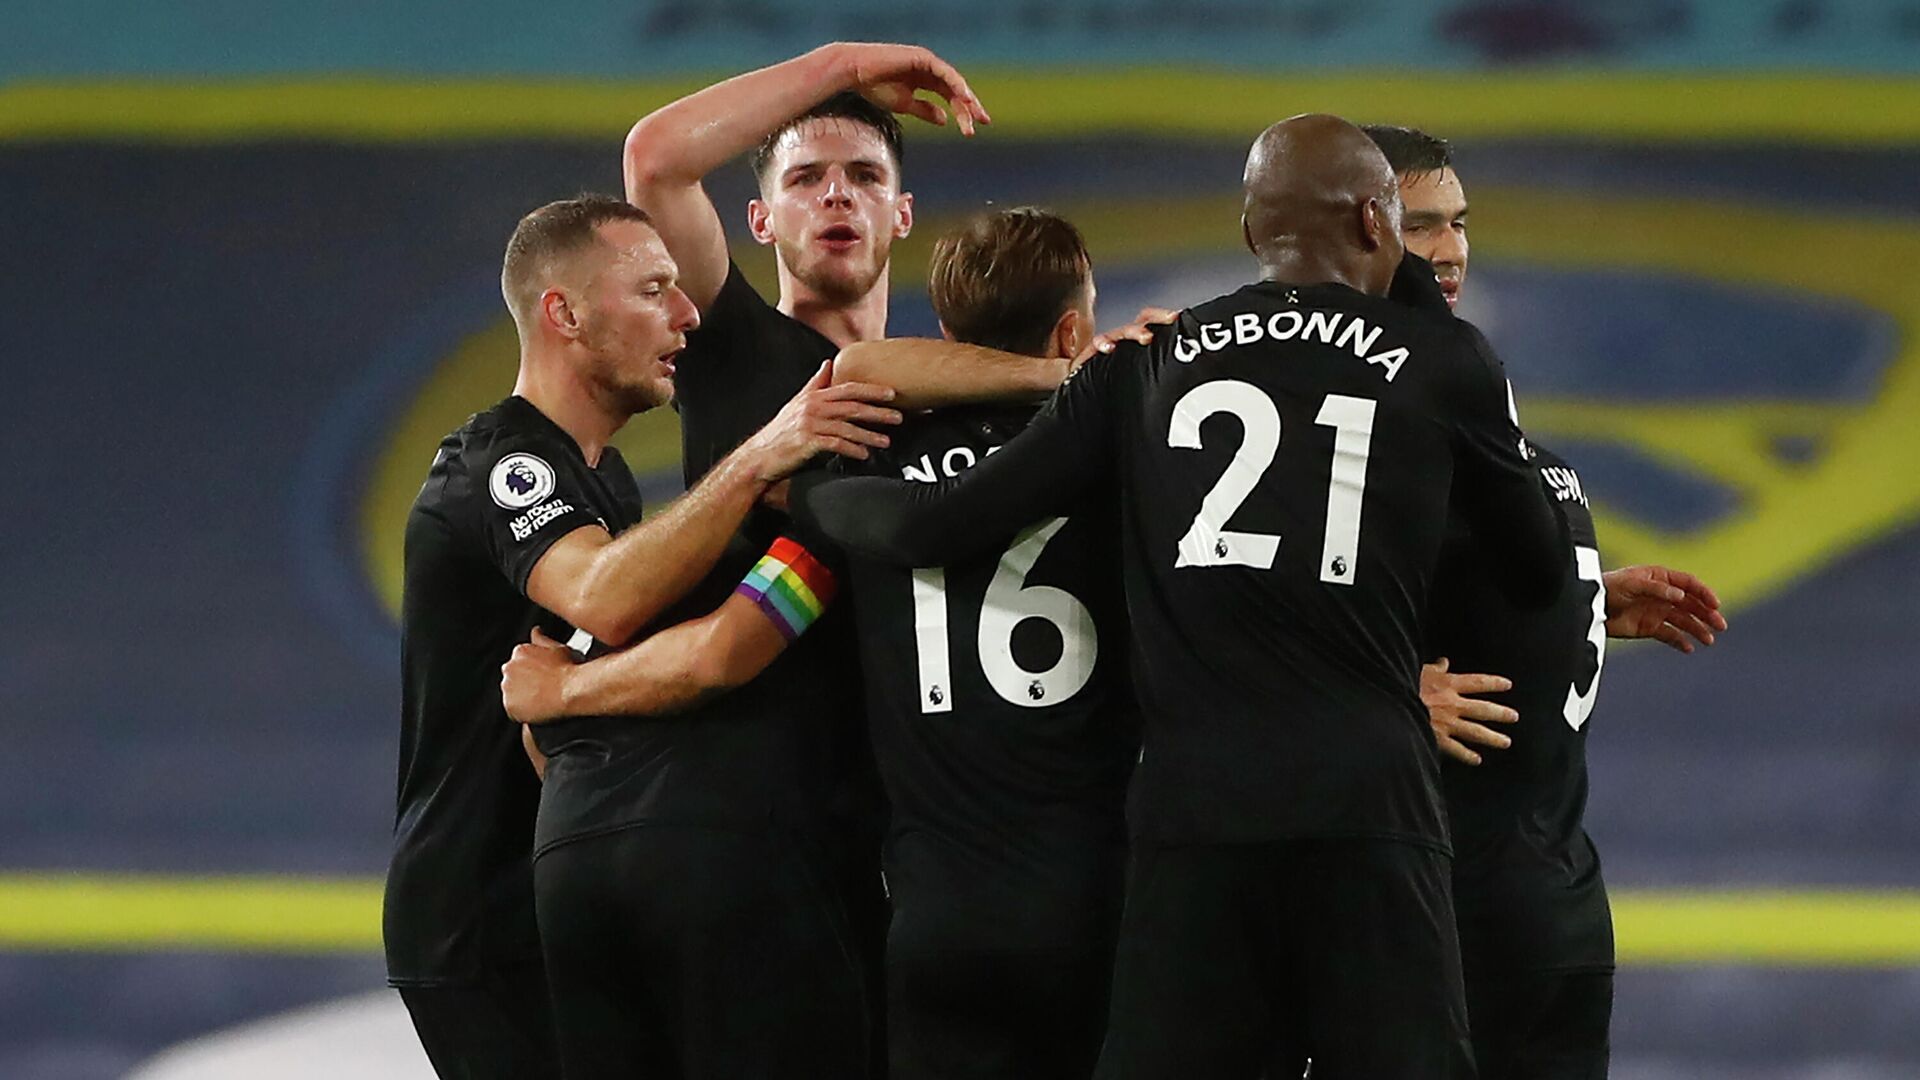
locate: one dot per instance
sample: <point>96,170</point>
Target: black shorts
<point>990,1014</point>
<point>499,1027</point>
<point>1000,965</point>
<point>692,953</point>
<point>1238,961</point>
<point>1547,1025</point>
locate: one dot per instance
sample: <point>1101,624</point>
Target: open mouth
<point>1450,288</point>
<point>671,360</point>
<point>838,237</point>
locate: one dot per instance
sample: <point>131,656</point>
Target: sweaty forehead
<point>635,247</point>
<point>1433,193</point>
<point>828,139</point>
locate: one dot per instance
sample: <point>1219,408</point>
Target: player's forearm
<point>651,566</point>
<point>658,676</point>
<point>888,520</point>
<point>1039,474</point>
<point>683,142</point>
<point>677,668</point>
<point>928,373</point>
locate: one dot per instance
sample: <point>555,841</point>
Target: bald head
<point>1322,205</point>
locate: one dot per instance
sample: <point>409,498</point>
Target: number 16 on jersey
<point>1008,602</point>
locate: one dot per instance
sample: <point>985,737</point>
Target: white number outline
<point>1351,419</point>
<point>930,640</point>
<point>1586,562</point>
<point>1009,601</point>
<point>1208,542</point>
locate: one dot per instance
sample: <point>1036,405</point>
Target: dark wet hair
<point>1410,151</point>
<point>845,105</point>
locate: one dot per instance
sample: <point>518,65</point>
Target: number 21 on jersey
<point>1009,601</point>
<point>1208,542</point>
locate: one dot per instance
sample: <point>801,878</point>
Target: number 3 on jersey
<point>1208,542</point>
<point>1579,706</point>
<point>1009,602</point>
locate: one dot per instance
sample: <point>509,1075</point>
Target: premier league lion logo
<point>519,481</point>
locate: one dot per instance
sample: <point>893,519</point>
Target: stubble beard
<point>635,396</point>
<point>618,391</point>
<point>837,290</point>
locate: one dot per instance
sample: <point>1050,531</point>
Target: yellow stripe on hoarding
<point>1796,107</point>
<point>130,913</point>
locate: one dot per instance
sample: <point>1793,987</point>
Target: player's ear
<point>903,215</point>
<point>1070,334</point>
<point>1246,236</point>
<point>1374,225</point>
<point>556,310</point>
<point>946,333</point>
<point>760,220</point>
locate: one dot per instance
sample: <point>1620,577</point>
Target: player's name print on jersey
<point>1564,483</point>
<point>929,469</point>
<point>1336,328</point>
<point>530,522</point>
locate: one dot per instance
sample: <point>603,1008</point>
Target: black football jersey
<point>502,489</point>
<point>741,365</point>
<point>1285,459</point>
<point>1527,882</point>
<point>997,694</point>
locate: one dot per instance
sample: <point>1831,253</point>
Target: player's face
<point>831,205</point>
<point>1434,226</point>
<point>636,319</point>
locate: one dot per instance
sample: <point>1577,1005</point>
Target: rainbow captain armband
<point>791,586</point>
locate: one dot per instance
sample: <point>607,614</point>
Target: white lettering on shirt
<point>530,522</point>
<point>1336,328</point>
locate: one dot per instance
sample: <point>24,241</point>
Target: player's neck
<point>564,399</point>
<point>1296,266</point>
<point>843,324</point>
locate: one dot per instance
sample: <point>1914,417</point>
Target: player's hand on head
<point>1670,606</point>
<point>1458,719</point>
<point>824,417</point>
<point>533,680</point>
<point>1141,330</point>
<point>892,75</point>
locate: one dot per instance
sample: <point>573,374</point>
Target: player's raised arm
<point>612,586</point>
<point>669,152</point>
<point>685,664</point>
<point>1499,490</point>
